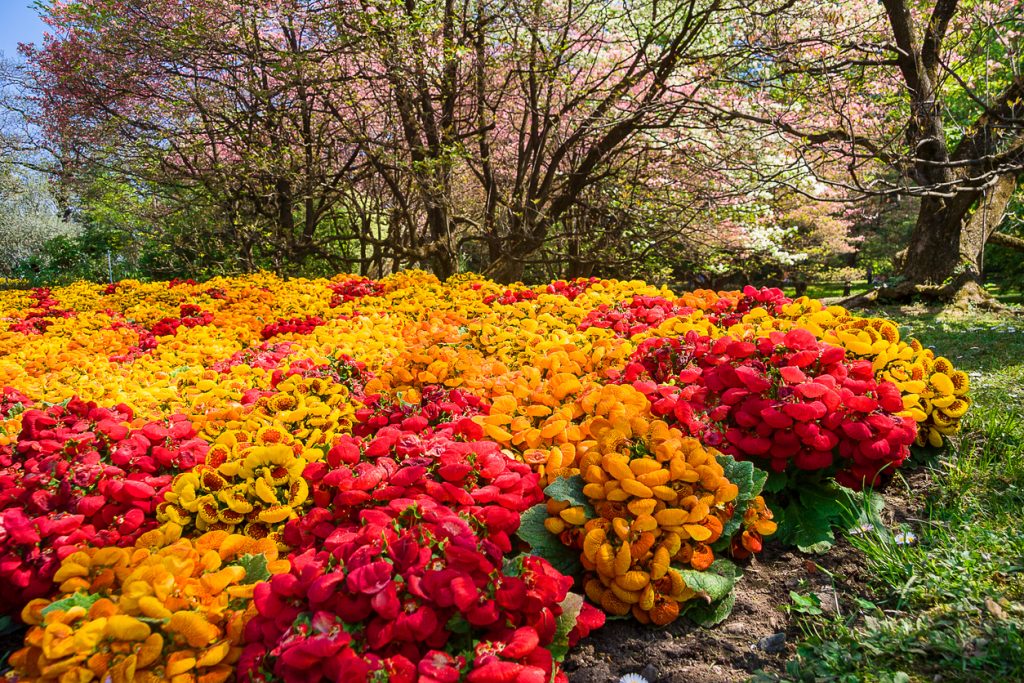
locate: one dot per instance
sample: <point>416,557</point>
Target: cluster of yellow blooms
<point>252,479</point>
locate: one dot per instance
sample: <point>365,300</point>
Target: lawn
<point>943,590</point>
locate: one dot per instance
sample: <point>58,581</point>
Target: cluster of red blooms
<point>350,290</point>
<point>640,314</point>
<point>573,288</point>
<point>343,370</point>
<point>146,341</point>
<point>438,407</point>
<point>786,400</point>
<point>176,282</point>
<point>727,311</point>
<point>399,570</point>
<point>79,475</point>
<point>39,315</point>
<point>189,316</point>
<point>292,326</point>
<point>266,356</point>
<point>12,401</point>
<point>511,296</point>
<point>216,293</point>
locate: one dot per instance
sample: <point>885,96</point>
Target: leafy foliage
<point>545,544</point>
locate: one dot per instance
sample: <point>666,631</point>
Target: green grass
<point>949,607</point>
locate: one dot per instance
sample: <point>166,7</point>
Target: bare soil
<point>759,635</point>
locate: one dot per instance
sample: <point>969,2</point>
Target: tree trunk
<point>510,263</point>
<point>444,263</point>
<point>934,253</point>
<point>986,219</point>
<point>945,258</point>
<point>505,269</point>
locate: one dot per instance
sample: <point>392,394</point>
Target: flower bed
<point>413,480</point>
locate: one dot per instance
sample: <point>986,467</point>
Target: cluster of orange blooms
<point>546,360</point>
<point>659,500</point>
<point>169,608</point>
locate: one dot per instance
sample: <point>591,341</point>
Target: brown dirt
<point>757,636</point>
<point>737,648</point>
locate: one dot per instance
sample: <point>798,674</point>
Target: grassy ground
<point>947,602</point>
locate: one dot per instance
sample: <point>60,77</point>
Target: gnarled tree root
<point>961,293</point>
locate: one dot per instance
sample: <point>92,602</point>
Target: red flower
<point>440,667</point>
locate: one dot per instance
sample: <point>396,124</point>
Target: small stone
<point>995,608</point>
<point>649,672</point>
<point>773,643</point>
<point>827,600</point>
<point>734,627</point>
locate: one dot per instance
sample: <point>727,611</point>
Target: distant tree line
<point>701,140</point>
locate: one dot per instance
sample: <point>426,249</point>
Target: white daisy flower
<point>862,529</point>
<point>905,538</point>
<point>633,678</point>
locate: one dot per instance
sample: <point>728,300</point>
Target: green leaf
<point>726,568</point>
<point>708,615</point>
<point>750,481</point>
<point>8,625</point>
<point>805,604</point>
<point>79,599</point>
<point>776,482</point>
<point>545,544</point>
<point>458,624</point>
<point>826,502</point>
<point>569,489</point>
<point>255,567</point>
<point>571,606</point>
<point>708,584</point>
<point>512,566</point>
<point>868,509</point>
<point>808,522</point>
<point>809,530</point>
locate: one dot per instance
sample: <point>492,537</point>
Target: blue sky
<point>19,23</point>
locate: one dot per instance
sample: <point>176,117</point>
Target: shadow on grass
<point>948,605</point>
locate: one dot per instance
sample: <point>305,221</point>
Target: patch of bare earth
<point>758,635</point>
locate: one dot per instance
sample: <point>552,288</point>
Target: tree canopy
<point>518,137</point>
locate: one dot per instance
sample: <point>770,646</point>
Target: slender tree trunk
<point>986,219</point>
